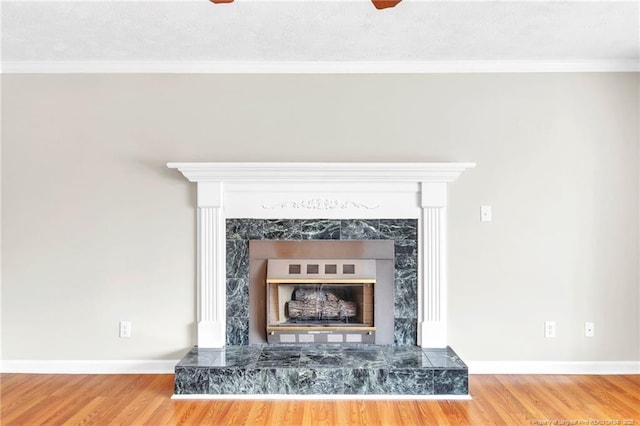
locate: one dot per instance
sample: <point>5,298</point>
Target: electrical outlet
<point>550,329</point>
<point>588,329</point>
<point>125,328</point>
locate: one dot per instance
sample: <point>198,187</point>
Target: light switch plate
<point>485,213</point>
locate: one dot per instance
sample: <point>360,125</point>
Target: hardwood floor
<point>29,399</point>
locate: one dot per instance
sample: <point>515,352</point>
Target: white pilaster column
<point>432,321</point>
<point>211,266</point>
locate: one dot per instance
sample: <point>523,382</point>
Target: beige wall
<point>95,229</point>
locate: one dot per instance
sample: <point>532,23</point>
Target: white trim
<point>553,367</point>
<point>88,366</point>
<point>168,367</point>
<point>320,67</point>
<point>321,172</point>
<point>324,397</point>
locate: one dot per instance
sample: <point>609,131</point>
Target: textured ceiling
<point>196,32</point>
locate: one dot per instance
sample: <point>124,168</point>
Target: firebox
<point>320,300</point>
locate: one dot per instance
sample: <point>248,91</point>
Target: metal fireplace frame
<point>353,279</point>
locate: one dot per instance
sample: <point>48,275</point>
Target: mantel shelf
<point>321,172</point>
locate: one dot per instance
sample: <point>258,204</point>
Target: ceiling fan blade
<point>384,4</point>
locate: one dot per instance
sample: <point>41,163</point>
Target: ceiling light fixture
<point>379,4</point>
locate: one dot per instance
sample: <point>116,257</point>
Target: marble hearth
<point>322,371</point>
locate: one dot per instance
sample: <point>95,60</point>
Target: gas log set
<point>318,305</point>
<point>320,301</point>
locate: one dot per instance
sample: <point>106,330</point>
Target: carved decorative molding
<point>320,204</point>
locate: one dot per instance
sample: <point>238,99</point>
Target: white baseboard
<point>167,367</point>
<point>88,366</point>
<point>553,367</point>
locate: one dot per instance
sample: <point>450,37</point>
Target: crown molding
<point>317,67</point>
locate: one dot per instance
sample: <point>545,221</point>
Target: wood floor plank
<point>530,400</point>
<point>13,412</point>
<point>28,399</point>
<point>504,403</point>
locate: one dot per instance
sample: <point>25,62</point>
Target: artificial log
<point>313,295</point>
<point>321,310</point>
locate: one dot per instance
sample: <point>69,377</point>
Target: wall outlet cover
<point>589,329</point>
<point>550,329</point>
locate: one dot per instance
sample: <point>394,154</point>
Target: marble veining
<point>237,298</point>
<point>363,358</point>
<point>407,357</point>
<point>446,358</point>
<point>328,359</point>
<point>402,231</point>
<point>243,229</point>
<point>399,229</point>
<point>406,247</point>
<point>282,229</point>
<point>450,382</point>
<point>405,262</point>
<point>320,229</point>
<point>405,294</point>
<point>322,369</point>
<point>320,381</point>
<point>268,359</point>
<point>353,229</point>
<point>229,356</point>
<point>191,380</point>
<point>277,381</point>
<point>232,380</point>
<point>369,381</point>
<point>405,331</point>
<point>237,331</point>
<point>238,259</point>
<point>403,381</point>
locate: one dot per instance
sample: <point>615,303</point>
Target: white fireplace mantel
<point>322,190</point>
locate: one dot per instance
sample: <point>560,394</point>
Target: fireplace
<point>299,193</point>
<point>324,291</point>
<point>320,300</point>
